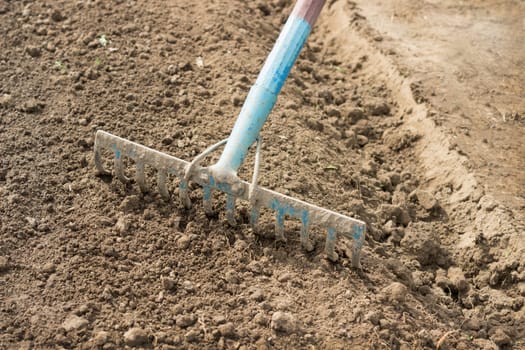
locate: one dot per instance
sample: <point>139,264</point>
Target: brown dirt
<point>88,262</point>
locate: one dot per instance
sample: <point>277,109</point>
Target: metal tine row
<point>140,176</point>
<point>162,175</point>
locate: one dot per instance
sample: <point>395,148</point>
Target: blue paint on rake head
<point>331,233</point>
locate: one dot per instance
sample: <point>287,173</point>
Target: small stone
<point>362,140</point>
<point>4,264</point>
<point>186,320</point>
<point>130,203</point>
<point>170,39</point>
<point>74,322</point>
<point>33,51</point>
<point>355,114</point>
<point>169,284</point>
<point>426,199</point>
<point>501,338</point>
<point>5,100</point>
<point>184,242</point>
<point>167,140</point>
<point>136,336</point>
<point>395,292</point>
<point>122,226</point>
<point>227,330</point>
<point>49,268</point>
<point>188,286</point>
<point>57,16</point>
<point>284,322</point>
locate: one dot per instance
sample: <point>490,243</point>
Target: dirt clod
<point>227,330</point>
<point>457,279</point>
<point>378,108</point>
<point>122,225</point>
<point>501,338</point>
<point>5,100</point>
<point>34,51</point>
<point>284,322</point>
<point>426,199</point>
<point>186,320</point>
<point>395,293</point>
<point>130,203</point>
<point>169,284</point>
<point>74,322</point>
<point>32,105</point>
<point>49,267</point>
<point>100,338</point>
<point>136,336</point>
<point>57,16</point>
<point>424,244</point>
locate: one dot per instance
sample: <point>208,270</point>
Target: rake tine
<point>230,209</point>
<point>330,243</point>
<point>140,177</point>
<point>183,194</point>
<point>161,184</point>
<point>254,217</point>
<point>119,167</point>
<point>279,226</point>
<point>305,232</point>
<point>98,163</point>
<point>359,239</point>
<point>207,200</point>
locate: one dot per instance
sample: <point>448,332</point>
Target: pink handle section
<point>308,10</point>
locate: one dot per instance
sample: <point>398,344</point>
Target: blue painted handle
<point>263,94</point>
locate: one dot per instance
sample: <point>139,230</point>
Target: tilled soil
<point>89,262</point>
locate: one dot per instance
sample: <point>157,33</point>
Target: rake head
<point>337,225</point>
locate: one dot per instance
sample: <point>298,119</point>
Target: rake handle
<point>263,94</point>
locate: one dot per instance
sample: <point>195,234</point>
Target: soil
<point>390,115</point>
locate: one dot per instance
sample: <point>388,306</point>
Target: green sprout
<point>98,61</point>
<point>59,65</point>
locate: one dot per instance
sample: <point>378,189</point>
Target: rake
<point>222,176</point>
